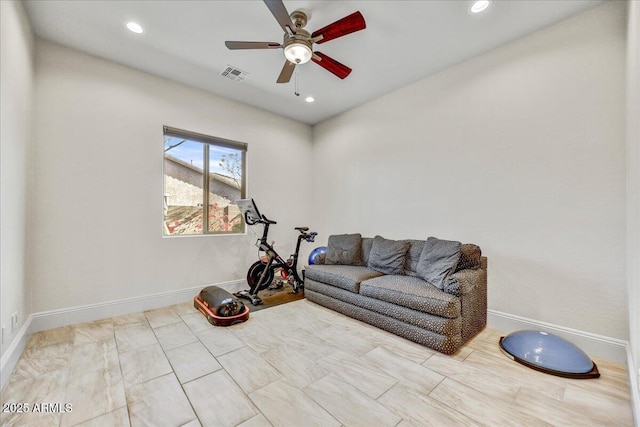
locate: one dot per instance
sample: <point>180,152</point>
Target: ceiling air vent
<point>233,73</point>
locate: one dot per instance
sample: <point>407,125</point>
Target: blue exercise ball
<point>317,251</point>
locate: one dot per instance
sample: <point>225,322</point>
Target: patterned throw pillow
<point>344,249</point>
<point>438,260</point>
<point>387,256</point>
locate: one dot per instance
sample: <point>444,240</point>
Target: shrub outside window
<point>203,177</point>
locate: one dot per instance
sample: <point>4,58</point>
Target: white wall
<point>633,189</point>
<point>16,90</point>
<point>97,226</point>
<point>520,150</point>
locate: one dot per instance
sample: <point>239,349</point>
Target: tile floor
<point>297,364</point>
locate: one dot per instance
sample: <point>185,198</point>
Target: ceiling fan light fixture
<point>479,6</point>
<point>135,27</point>
<point>298,53</point>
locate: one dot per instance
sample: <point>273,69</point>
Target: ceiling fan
<point>298,42</point>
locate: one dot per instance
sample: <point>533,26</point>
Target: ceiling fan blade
<point>279,11</point>
<point>251,45</point>
<point>331,65</point>
<point>342,27</point>
<point>287,72</point>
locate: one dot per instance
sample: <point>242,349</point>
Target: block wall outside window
<point>203,177</point>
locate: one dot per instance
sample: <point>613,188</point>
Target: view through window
<point>203,177</point>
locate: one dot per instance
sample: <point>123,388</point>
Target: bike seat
<point>302,228</point>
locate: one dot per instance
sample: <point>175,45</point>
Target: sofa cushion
<point>411,292</point>
<point>470,256</point>
<point>344,249</point>
<point>413,256</point>
<point>346,277</point>
<point>387,256</point>
<point>438,260</point>
<point>367,243</point>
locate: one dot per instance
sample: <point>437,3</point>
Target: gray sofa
<point>433,292</point>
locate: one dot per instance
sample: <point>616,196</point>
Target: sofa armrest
<point>470,285</point>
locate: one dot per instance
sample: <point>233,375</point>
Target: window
<point>203,178</point>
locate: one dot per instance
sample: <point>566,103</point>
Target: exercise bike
<point>261,273</point>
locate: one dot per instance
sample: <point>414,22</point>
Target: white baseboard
<point>86,313</point>
<point>608,348</point>
<point>44,320</point>
<point>14,351</point>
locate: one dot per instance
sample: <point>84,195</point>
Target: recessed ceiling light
<point>135,27</point>
<point>309,99</point>
<point>479,6</point>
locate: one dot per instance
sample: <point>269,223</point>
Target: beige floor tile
<point>486,340</point>
<point>344,363</point>
<point>192,361</point>
<point>312,346</point>
<point>508,370</point>
<point>143,364</point>
<point>38,360</point>
<point>364,376</point>
<point>161,317</point>
<point>93,332</point>
<point>184,308</point>
<point>298,369</point>
<point>46,388</point>
<point>348,404</point>
<point>418,409</point>
<point>218,401</point>
<point>134,335</point>
<point>285,405</point>
<point>196,322</point>
<point>119,418</point>
<point>343,336</point>
<point>65,334</point>
<point>248,369</point>
<point>462,353</point>
<point>220,340</point>
<point>303,321</point>
<point>93,394</point>
<point>174,335</point>
<point>556,412</point>
<point>601,408</point>
<point>480,407</point>
<point>404,370</point>
<point>257,421</point>
<point>258,337</point>
<point>159,402</point>
<point>128,319</point>
<point>477,378</point>
<point>93,357</point>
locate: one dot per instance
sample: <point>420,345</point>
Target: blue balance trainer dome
<point>315,252</point>
<point>548,353</point>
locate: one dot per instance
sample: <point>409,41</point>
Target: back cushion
<point>367,242</point>
<point>388,256</point>
<point>438,260</point>
<point>412,257</point>
<point>344,249</point>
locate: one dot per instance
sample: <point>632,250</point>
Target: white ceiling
<point>184,40</point>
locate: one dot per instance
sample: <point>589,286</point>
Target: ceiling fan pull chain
<point>296,84</point>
